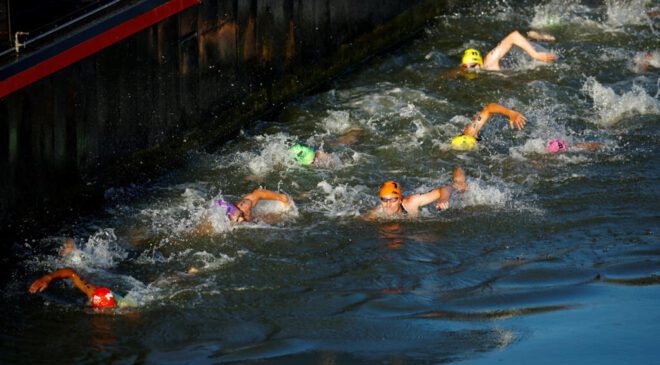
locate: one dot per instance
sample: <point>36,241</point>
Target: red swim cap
<point>103,298</point>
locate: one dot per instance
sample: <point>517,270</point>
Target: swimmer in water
<point>305,156</point>
<point>393,204</point>
<point>559,145</point>
<point>99,297</point>
<point>468,140</point>
<point>242,211</point>
<point>472,58</point>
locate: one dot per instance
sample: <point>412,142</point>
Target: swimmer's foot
<point>540,36</point>
<point>459,180</point>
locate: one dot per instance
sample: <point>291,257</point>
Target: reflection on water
<point>538,243</point>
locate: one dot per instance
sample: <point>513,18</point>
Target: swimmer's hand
<point>545,57</point>
<point>287,202</point>
<point>40,284</point>
<point>442,204</point>
<point>518,120</point>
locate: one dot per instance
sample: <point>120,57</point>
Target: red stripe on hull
<point>93,45</point>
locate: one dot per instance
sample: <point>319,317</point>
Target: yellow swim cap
<point>472,56</point>
<point>463,143</point>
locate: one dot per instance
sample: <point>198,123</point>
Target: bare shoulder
<point>412,202</point>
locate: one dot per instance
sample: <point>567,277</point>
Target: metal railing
<point>16,37</point>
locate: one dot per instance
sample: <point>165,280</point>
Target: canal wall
<point>131,111</point>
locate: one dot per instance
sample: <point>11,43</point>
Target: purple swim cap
<point>230,208</point>
<point>557,145</point>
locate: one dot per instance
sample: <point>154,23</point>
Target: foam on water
<point>480,193</point>
<point>203,260</point>
<point>385,100</point>
<point>340,200</point>
<point>338,121</point>
<point>558,13</point>
<point>272,151</point>
<point>179,216</point>
<point>100,251</point>
<point>629,12</point>
<point>139,294</point>
<point>611,107</point>
<point>531,146</point>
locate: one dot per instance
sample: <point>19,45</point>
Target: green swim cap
<point>302,154</point>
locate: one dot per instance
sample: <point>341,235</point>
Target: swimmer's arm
<point>259,194</point>
<point>416,201</point>
<point>515,119</point>
<point>492,60</point>
<point>42,283</point>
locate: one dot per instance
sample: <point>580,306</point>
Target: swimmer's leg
<point>539,36</point>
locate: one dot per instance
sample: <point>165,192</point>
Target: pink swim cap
<point>557,145</point>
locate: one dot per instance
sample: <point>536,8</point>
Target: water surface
<point>553,258</point>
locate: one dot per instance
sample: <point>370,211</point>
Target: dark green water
<point>546,259</point>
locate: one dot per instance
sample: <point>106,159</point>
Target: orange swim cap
<point>390,188</point>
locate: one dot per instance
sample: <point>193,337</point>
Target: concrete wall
<point>130,111</point>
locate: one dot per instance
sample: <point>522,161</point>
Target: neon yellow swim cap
<point>302,154</point>
<point>463,143</point>
<point>472,56</point>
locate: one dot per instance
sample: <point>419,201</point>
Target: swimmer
<point>468,140</point>
<point>305,155</point>
<point>242,211</point>
<point>472,60</point>
<point>99,297</point>
<point>559,145</point>
<point>393,204</point>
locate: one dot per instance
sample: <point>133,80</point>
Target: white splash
<point>178,216</point>
<point>479,193</point>
<point>531,146</point>
<point>611,107</point>
<point>559,12</point>
<point>273,151</point>
<point>628,12</point>
<point>340,200</point>
<point>337,121</point>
